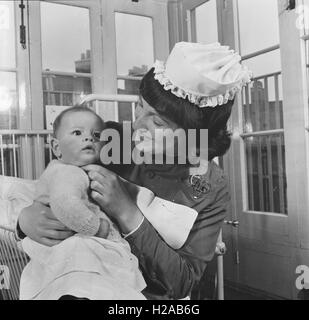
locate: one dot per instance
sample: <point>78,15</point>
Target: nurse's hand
<point>111,195</point>
<point>39,224</point>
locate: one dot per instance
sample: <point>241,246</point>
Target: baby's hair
<point>77,108</point>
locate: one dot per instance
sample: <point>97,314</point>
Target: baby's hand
<point>103,229</point>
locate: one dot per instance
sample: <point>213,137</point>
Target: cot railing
<point>12,262</point>
<point>24,153</point>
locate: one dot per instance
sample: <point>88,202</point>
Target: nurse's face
<point>150,127</point>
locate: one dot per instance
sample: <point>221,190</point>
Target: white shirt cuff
<point>125,235</point>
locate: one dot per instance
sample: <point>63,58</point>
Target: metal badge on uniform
<point>200,185</point>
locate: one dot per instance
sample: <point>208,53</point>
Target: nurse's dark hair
<point>189,116</point>
<point>74,109</point>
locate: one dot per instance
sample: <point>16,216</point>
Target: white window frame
<point>155,9</point>
<point>36,54</point>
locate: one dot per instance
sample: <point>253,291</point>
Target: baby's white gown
<point>81,266</point>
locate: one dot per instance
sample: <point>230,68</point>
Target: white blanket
<point>15,194</point>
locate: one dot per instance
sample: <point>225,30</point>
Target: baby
<point>97,255</point>
<point>64,185</point>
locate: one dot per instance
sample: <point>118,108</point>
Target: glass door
<point>135,34</point>
<point>268,161</point>
<point>267,164</point>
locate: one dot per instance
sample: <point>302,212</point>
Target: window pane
<point>7,35</point>
<point>134,43</point>
<point>265,63</point>
<point>135,54</point>
<point>263,105</point>
<point>258,19</point>
<point>64,47</point>
<point>266,174</point>
<point>8,101</point>
<point>127,86</point>
<point>206,22</point>
<point>60,90</point>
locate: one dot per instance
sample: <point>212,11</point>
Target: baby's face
<point>79,138</point>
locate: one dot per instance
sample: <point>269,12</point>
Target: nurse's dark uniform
<point>170,273</point>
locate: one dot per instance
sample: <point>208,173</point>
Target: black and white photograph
<point>154,150</point>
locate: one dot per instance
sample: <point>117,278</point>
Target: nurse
<point>194,89</point>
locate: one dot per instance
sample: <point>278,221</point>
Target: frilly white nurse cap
<point>208,75</point>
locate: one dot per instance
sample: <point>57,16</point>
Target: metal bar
<point>268,146</point>
<point>16,253</point>
<point>132,78</point>
<point>279,150</point>
<point>25,132</point>
<point>62,91</point>
<point>246,106</point>
<point>260,175</point>
<point>97,106</point>
<point>6,69</point>
<point>40,163</point>
<point>3,261</point>
<point>249,152</point>
<point>258,53</point>
<point>27,167</point>
<point>268,75</point>
<point>220,273</point>
<point>14,156</point>
<point>2,255</point>
<point>8,146</point>
<point>256,106</point>
<point>261,133</point>
<point>69,74</point>
<point>61,98</point>
<point>189,25</point>
<point>13,271</point>
<point>6,228</point>
<point>53,99</point>
<point>111,97</point>
<point>133,105</point>
<point>250,174</point>
<point>49,147</point>
<point>2,155</point>
<point>116,105</point>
